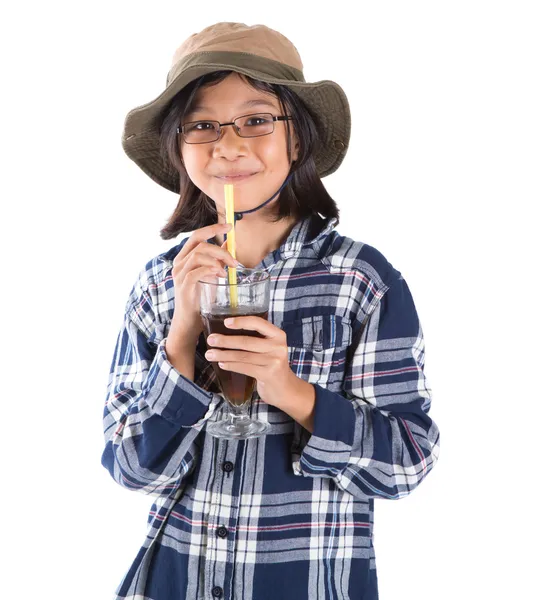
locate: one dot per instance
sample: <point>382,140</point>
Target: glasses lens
<point>200,132</point>
<point>253,125</point>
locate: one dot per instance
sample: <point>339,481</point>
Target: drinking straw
<point>231,242</point>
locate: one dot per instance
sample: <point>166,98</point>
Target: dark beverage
<point>236,387</point>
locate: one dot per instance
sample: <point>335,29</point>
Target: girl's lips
<point>235,178</point>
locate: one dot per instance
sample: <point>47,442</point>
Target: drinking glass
<point>219,300</point>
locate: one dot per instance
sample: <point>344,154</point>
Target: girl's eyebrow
<point>257,102</point>
<point>244,105</point>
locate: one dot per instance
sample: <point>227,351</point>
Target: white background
<point>449,175</point>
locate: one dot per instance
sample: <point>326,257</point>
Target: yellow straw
<point>231,242</point>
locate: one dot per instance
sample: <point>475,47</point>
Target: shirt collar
<point>298,237</point>
<point>296,240</point>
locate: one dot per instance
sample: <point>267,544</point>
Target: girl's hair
<point>305,193</point>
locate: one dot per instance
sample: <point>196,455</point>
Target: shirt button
<point>217,592</point>
<point>227,466</point>
<point>222,532</point>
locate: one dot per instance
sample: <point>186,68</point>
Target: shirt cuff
<point>328,449</point>
<point>175,397</point>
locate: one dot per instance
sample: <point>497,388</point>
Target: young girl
<point>339,366</point>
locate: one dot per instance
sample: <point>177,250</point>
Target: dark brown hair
<point>305,193</point>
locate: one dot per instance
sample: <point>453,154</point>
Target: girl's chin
<point>243,199</point>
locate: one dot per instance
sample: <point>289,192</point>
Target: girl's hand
<point>196,260</point>
<point>265,359</point>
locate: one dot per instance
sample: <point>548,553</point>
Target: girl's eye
<point>253,121</point>
<point>202,126</point>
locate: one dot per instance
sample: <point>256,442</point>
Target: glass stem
<point>238,415</point>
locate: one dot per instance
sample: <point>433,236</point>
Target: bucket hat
<point>259,52</point>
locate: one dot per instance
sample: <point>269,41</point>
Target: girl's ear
<point>295,149</point>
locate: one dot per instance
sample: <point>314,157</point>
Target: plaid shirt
<point>290,514</point>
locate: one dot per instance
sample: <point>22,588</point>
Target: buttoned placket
<point>222,521</point>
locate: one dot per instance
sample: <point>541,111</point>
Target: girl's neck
<point>256,237</point>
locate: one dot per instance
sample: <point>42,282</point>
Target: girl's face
<point>263,159</point>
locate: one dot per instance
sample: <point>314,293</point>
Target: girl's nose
<point>230,144</point>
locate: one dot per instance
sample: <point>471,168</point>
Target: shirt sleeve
<point>377,440</point>
<point>152,415</point>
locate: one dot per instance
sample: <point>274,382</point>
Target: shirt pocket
<point>317,348</point>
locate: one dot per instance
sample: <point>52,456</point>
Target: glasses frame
<point>180,129</point>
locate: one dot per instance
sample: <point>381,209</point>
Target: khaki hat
<point>260,53</point>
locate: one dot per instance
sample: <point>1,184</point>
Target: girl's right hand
<point>197,259</point>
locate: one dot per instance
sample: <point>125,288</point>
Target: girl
<point>339,368</point>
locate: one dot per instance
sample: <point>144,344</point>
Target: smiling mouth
<point>234,178</point>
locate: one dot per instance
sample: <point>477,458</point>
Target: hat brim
<point>141,132</point>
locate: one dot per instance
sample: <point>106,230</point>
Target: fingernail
<point>229,322</point>
<point>209,355</point>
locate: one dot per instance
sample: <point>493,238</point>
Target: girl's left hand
<point>265,359</point>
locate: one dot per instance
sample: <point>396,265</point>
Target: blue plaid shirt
<point>288,515</point>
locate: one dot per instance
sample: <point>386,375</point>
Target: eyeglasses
<point>202,132</point>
